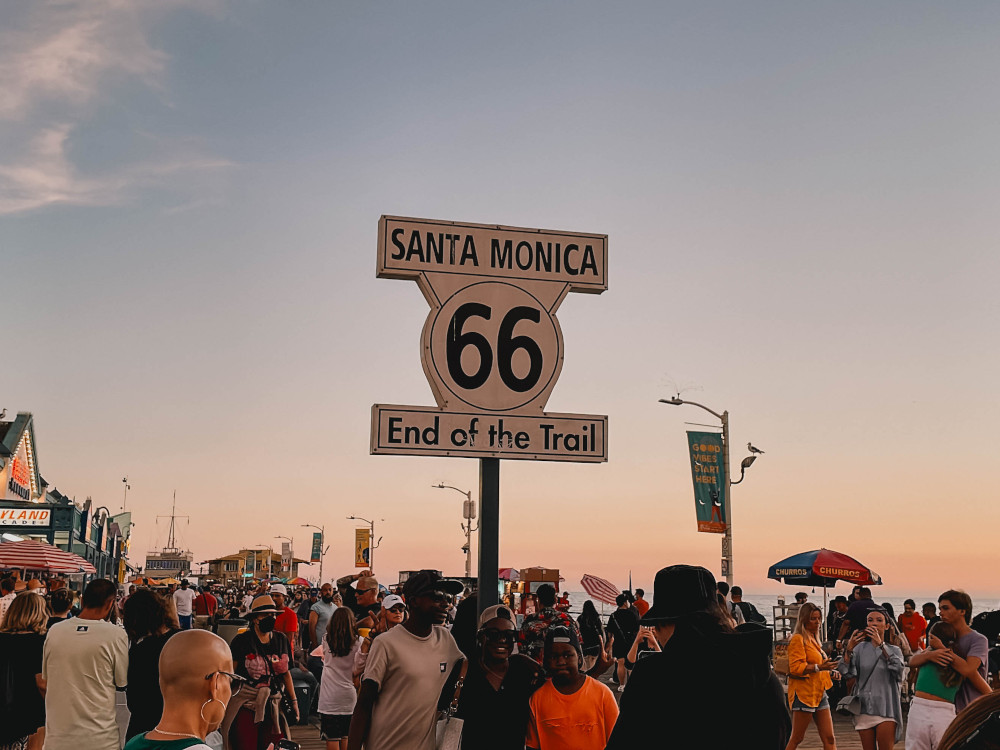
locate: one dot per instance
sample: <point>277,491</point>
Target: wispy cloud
<point>45,176</point>
<point>64,51</point>
<point>59,62</point>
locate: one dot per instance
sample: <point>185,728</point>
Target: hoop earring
<point>201,711</point>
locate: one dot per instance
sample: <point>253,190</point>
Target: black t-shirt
<point>623,624</point>
<point>498,719</point>
<point>262,662</point>
<point>361,611</point>
<point>22,709</point>
<point>857,614</point>
<point>143,696</point>
<point>591,634</point>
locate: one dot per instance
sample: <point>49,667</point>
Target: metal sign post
<point>492,351</point>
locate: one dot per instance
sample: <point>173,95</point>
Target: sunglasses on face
<point>500,636</point>
<point>235,680</point>
<point>397,608</point>
<point>438,596</point>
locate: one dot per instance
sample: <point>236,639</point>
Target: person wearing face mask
<point>196,677</point>
<point>264,658</point>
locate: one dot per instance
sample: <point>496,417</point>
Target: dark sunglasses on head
<point>499,636</point>
<point>235,680</point>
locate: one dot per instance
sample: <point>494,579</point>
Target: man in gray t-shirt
<point>320,614</point>
<point>970,653</point>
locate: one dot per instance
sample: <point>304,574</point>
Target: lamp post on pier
<point>727,539</point>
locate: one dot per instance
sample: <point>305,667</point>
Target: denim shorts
<point>798,705</point>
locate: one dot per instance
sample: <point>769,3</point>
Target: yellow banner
<point>362,547</point>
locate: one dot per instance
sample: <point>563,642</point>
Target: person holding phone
<point>645,642</point>
<point>878,668</point>
<point>810,675</point>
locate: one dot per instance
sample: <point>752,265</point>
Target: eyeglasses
<point>499,636</point>
<point>988,730</point>
<point>397,608</point>
<point>235,680</point>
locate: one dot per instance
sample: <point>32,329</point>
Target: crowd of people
<point>397,670</point>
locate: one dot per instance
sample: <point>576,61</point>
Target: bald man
<point>196,679</point>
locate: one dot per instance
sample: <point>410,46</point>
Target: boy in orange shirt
<point>571,711</point>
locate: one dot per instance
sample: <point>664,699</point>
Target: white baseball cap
<point>279,588</point>
<point>391,601</point>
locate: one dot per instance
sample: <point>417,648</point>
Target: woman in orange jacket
<point>808,679</point>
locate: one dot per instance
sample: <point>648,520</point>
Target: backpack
<point>750,613</point>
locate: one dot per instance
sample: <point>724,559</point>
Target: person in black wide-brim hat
<point>710,681</point>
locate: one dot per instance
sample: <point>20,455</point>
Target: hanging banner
<point>286,558</point>
<point>317,550</point>
<point>362,547</point>
<point>708,474</point>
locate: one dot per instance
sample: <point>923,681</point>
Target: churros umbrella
<point>599,588</point>
<point>823,567</point>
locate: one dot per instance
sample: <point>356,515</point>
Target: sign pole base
<point>489,532</point>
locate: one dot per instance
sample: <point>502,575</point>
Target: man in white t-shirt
<point>84,661</point>
<point>408,667</point>
<point>184,601</point>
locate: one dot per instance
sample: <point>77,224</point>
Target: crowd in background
<point>232,669</point>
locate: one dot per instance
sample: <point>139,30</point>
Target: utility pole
<point>468,513</point>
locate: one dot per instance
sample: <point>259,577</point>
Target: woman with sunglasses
<point>263,656</point>
<point>392,613</point>
<point>197,680</point>
<point>499,683</point>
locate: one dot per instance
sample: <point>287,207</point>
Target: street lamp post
<point>468,513</point>
<point>372,544</point>
<point>322,546</point>
<point>127,488</point>
<point>727,540</point>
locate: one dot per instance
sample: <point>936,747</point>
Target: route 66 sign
<point>491,347</point>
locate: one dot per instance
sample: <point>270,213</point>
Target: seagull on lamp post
<point>754,450</point>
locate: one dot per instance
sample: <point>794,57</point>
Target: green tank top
<point>929,681</point>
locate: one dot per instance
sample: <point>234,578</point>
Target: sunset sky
<point>801,206</point>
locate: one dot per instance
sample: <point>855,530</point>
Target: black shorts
<point>334,726</point>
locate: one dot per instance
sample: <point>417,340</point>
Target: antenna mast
<point>172,535</point>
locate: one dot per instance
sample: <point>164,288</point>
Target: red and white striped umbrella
<point>30,554</point>
<point>600,589</point>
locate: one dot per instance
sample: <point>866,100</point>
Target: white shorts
<point>927,723</point>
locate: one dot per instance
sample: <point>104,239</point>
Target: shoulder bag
<point>448,732</point>
<point>850,705</point>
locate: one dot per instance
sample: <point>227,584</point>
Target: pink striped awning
<point>31,554</point>
<point>600,589</point>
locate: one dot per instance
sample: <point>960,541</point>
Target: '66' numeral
<point>507,344</point>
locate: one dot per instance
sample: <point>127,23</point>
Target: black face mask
<point>266,624</point>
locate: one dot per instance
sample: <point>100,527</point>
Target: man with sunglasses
<point>407,671</point>
<point>499,683</point>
